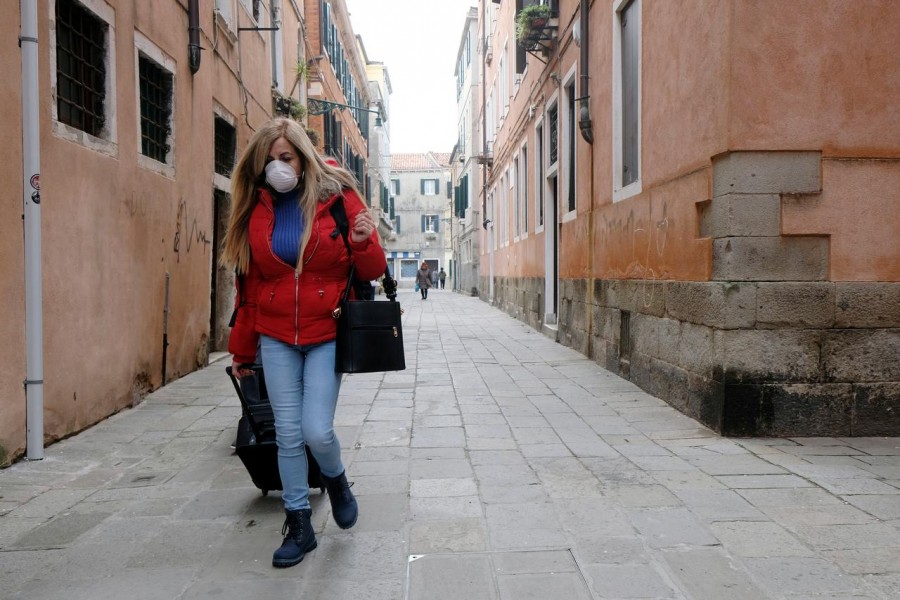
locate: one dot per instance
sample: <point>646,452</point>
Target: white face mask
<point>281,176</point>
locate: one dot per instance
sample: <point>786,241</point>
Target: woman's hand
<point>240,369</point>
<point>363,227</point>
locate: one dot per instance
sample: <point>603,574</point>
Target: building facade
<point>466,171</point>
<point>669,196</point>
<point>138,136</point>
<point>419,188</point>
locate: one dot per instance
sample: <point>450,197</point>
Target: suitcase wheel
<point>265,492</point>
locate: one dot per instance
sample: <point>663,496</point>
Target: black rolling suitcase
<point>255,444</point>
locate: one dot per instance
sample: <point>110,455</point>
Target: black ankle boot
<point>343,504</point>
<point>299,538</point>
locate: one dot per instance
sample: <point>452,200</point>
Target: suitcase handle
<point>244,408</point>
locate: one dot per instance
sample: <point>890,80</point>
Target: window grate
<point>225,142</point>
<point>80,67</point>
<point>553,138</point>
<point>625,335</point>
<point>156,109</point>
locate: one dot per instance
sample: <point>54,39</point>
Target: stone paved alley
<point>499,465</point>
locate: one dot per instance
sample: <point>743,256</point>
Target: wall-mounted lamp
<point>320,107</point>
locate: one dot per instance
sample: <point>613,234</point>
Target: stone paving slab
<point>500,465</point>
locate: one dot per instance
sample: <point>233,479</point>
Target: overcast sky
<point>417,40</point>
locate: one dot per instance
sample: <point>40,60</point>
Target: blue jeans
<point>303,389</point>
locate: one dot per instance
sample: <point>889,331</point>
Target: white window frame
<point>514,195</point>
<point>435,182</point>
<point>540,198</point>
<point>429,218</point>
<point>634,188</point>
<point>567,121</point>
<point>143,45</point>
<point>221,182</point>
<point>523,189</point>
<point>108,142</point>
<point>393,181</point>
<point>225,12</point>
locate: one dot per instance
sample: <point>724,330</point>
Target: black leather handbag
<point>369,333</point>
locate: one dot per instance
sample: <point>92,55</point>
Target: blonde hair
<point>320,181</point>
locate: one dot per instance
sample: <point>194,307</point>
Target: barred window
<point>552,133</point>
<point>225,143</point>
<point>156,109</point>
<point>80,67</point>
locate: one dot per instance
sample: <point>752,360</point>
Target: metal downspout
<point>194,35</point>
<point>31,193</point>
<point>486,222</point>
<point>584,124</point>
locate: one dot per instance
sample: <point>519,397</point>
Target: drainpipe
<point>584,113</point>
<point>488,225</point>
<point>31,193</point>
<point>194,35</point>
<point>584,124</point>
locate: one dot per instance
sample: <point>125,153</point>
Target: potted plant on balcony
<point>530,24</point>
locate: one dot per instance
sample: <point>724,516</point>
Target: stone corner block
<point>725,305</point>
<point>748,215</point>
<point>794,304</point>
<point>867,304</point>
<point>788,258</point>
<point>767,173</point>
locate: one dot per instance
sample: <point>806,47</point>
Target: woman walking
<point>423,278</point>
<point>291,271</point>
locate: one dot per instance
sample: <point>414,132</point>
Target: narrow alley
<point>499,466</point>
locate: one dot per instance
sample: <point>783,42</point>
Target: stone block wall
<point>769,346</point>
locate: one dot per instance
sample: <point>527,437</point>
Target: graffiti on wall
<point>638,247</point>
<point>187,224</point>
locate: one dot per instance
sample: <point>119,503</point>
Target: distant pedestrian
<point>434,279</point>
<point>423,280</point>
<point>442,276</point>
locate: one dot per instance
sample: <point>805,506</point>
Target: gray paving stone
<point>610,550</point>
<point>763,481</point>
<point>451,577</point>
<point>459,535</point>
<point>669,527</point>
<point>444,509</point>
<point>629,581</point>
<point>759,540</point>
<point>865,561</point>
<point>438,437</point>
<point>437,468</point>
<point>799,575</point>
<point>539,587</point>
<point>642,496</point>
<point>844,537</point>
<point>884,507</point>
<point>857,485</point>
<point>136,584</point>
<point>529,539</point>
<point>441,488</point>
<point>59,532</point>
<point>719,505</point>
<point>707,574</point>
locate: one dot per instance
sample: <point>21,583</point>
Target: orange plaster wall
<point>816,76</point>
<point>685,62</point>
<point>12,290</point>
<point>655,235</point>
<point>684,87</point>
<point>865,247</point>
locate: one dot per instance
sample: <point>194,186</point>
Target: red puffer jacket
<point>291,307</point>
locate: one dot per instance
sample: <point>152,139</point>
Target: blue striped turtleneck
<point>288,226</point>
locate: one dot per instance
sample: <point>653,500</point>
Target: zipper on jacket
<point>296,307</point>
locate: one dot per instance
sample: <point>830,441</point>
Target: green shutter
<point>423,217</point>
<point>422,188</point>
